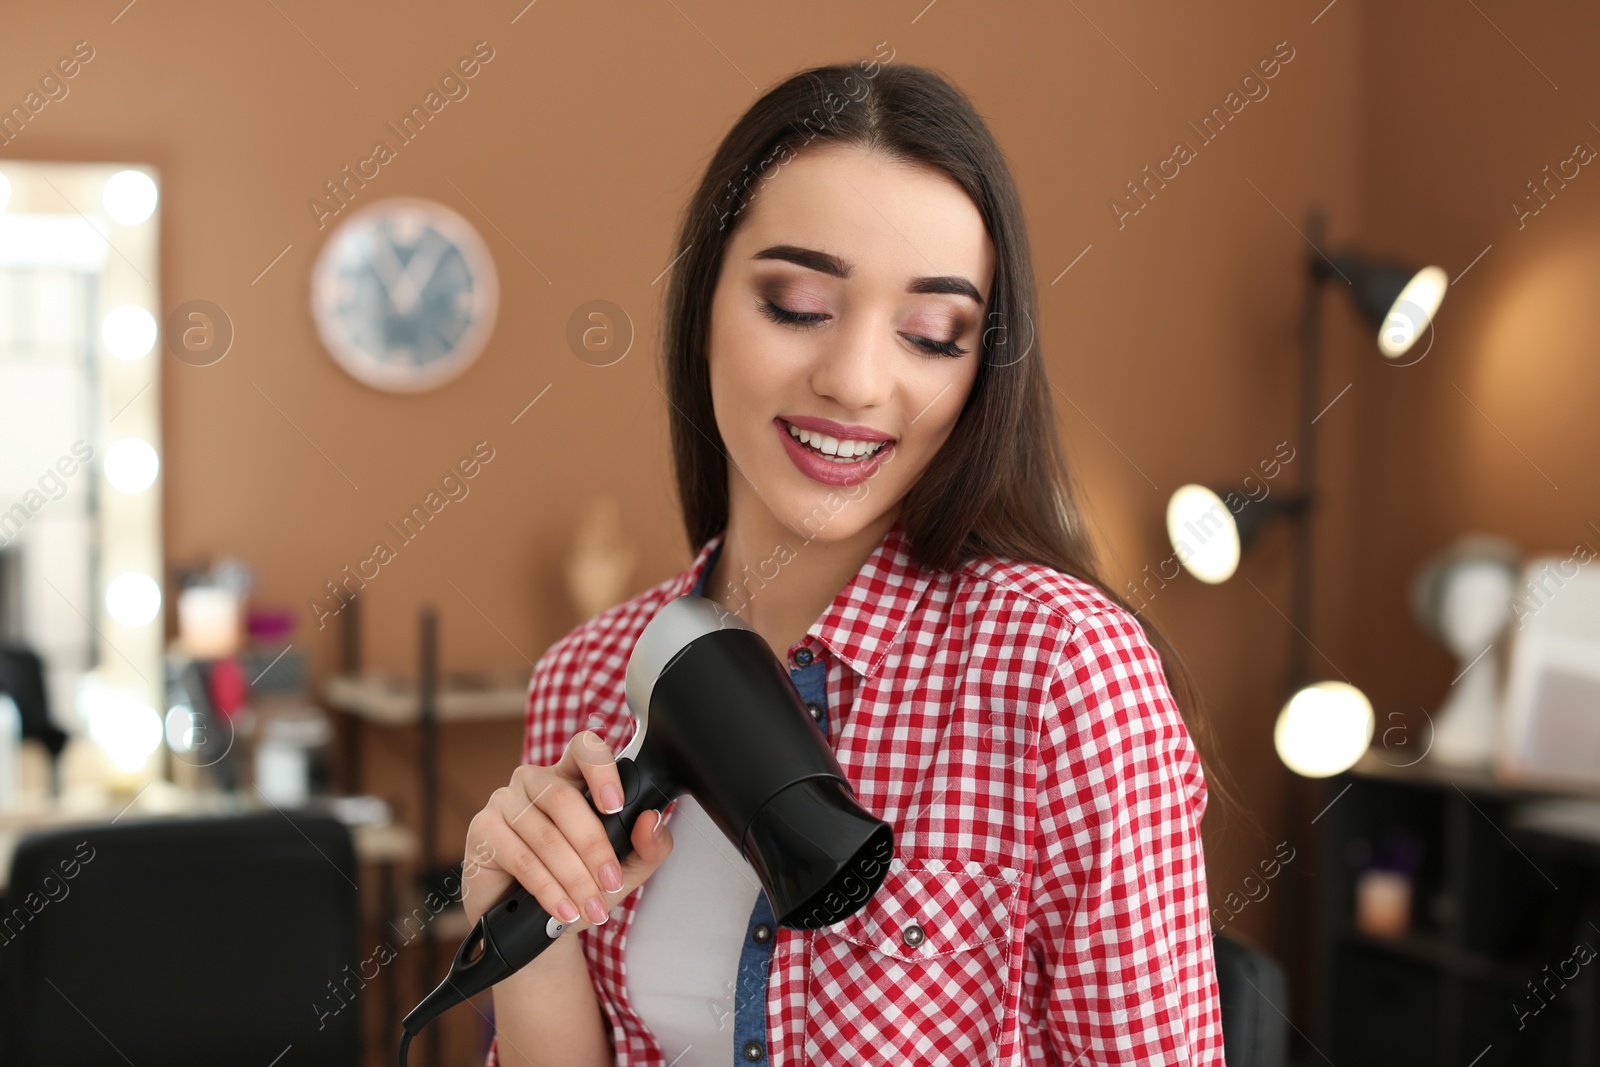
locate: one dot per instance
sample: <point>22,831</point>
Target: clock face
<point>404,294</point>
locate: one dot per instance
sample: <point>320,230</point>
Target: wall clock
<point>404,294</point>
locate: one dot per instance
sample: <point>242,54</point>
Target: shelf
<point>1489,917</point>
<point>392,701</point>
<point>1436,952</point>
<point>1426,773</point>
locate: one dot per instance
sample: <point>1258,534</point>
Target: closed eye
<point>938,348</point>
<point>787,317</point>
<point>784,316</point>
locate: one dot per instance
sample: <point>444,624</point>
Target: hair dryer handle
<point>516,929</point>
<point>519,928</point>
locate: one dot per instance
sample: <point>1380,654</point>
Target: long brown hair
<point>999,484</point>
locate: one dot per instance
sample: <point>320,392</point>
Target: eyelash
<point>785,317</point>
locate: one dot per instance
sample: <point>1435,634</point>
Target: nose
<point>855,368</point>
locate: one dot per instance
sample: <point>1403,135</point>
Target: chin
<point>832,514</point>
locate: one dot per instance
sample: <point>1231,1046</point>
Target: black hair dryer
<point>719,718</point>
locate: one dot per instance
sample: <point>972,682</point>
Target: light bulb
<point>1203,534</point>
<point>1412,312</point>
<point>129,331</point>
<point>133,599</point>
<point>129,196</point>
<point>1323,729</point>
<point>132,465</point>
<point>127,729</point>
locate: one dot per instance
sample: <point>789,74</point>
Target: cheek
<point>940,398</point>
<point>749,382</point>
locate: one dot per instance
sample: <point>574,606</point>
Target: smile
<point>832,448</point>
<point>832,461</point>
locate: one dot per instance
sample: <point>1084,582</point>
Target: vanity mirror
<point>81,583</point>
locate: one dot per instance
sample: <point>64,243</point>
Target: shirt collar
<point>868,614</point>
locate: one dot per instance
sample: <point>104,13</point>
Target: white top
<point>682,950</point>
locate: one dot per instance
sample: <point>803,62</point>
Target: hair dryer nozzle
<point>819,855</point>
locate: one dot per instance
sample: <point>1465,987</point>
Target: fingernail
<point>610,799</point>
<point>661,824</point>
<point>611,878</point>
<point>596,911</point>
<point>567,911</point>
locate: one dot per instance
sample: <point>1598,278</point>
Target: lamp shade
<point>1398,300</point>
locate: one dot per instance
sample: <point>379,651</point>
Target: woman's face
<point>888,269</point>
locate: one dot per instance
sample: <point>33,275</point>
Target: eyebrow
<point>827,263</point>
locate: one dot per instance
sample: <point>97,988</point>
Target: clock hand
<point>416,278</point>
<point>386,265</point>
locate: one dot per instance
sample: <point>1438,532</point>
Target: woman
<point>867,464</point>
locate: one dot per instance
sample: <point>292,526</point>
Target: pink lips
<point>839,430</point>
<point>821,470</point>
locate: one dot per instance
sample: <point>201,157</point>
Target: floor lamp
<point>1324,726</point>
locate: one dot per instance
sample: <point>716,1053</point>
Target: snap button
<point>761,934</point>
<point>816,711</point>
<point>913,935</point>
<point>753,1051</point>
<point>803,657</point>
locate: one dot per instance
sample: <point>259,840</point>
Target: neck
<point>779,583</point>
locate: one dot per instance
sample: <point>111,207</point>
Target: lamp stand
<point>1292,915</point>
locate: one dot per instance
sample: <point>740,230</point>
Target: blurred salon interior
<point>332,396</point>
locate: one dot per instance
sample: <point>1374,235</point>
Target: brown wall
<point>1496,429</point>
<point>1174,336</point>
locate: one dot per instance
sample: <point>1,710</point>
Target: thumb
<point>652,843</point>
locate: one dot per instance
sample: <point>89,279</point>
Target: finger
<point>559,856</point>
<point>481,878</point>
<point>588,758</point>
<point>569,810</point>
<point>480,854</point>
<point>514,803</point>
<point>513,856</point>
<point>652,840</point>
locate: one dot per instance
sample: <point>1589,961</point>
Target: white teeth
<point>847,451</point>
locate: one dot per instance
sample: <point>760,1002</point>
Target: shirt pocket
<point>919,975</point>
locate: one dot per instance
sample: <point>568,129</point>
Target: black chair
<point>1255,1004</point>
<point>183,941</point>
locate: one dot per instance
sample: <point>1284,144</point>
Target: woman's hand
<point>540,831</point>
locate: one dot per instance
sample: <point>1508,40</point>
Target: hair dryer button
<point>913,935</point>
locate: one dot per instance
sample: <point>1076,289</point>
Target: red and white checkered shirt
<point>1015,727</point>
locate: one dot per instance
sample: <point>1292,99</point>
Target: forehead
<point>882,215</point>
